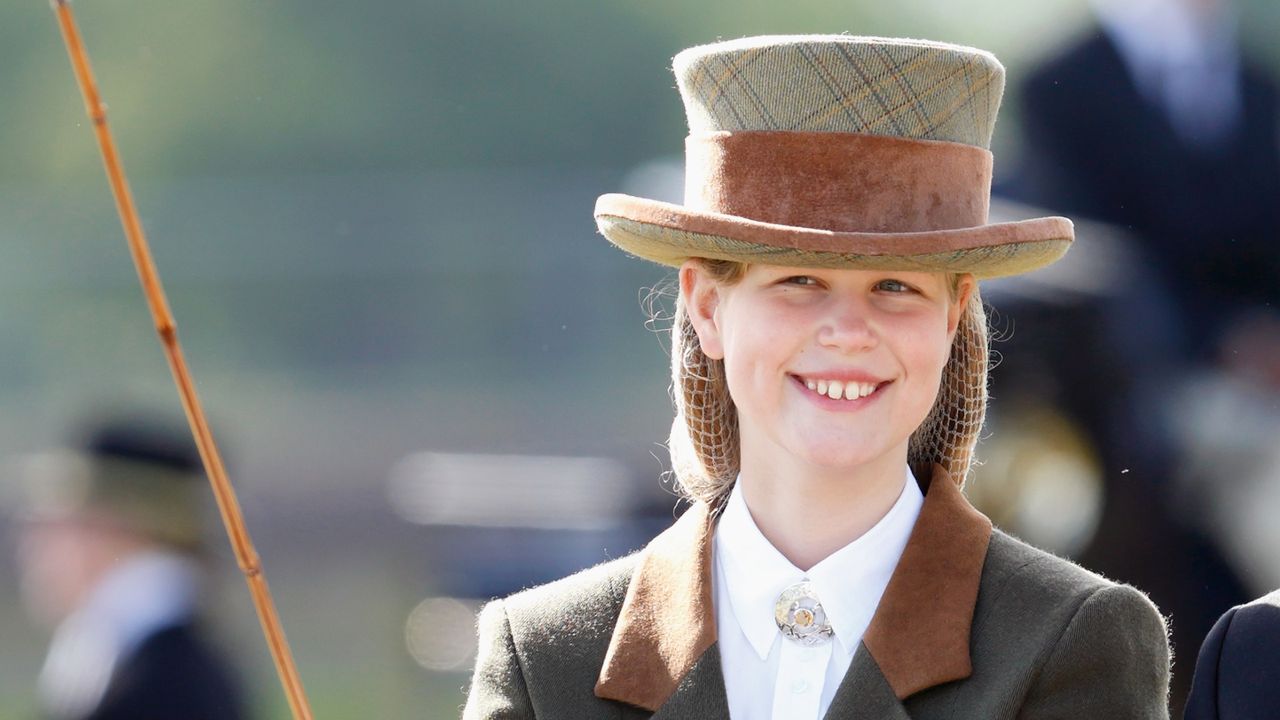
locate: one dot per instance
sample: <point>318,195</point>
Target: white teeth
<point>838,389</point>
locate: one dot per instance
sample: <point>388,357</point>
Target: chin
<point>839,455</point>
<point>830,447</point>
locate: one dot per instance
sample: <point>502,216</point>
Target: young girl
<point>829,360</point>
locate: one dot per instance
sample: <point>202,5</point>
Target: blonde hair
<point>704,443</point>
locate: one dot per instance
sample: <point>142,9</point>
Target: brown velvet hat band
<point>843,182</point>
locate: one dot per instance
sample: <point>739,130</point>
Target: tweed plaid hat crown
<point>836,151</point>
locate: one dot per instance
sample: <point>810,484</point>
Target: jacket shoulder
<point>1052,587</point>
<point>1036,572</point>
<point>566,625</point>
<point>587,602</point>
<point>1063,72</point>
<point>543,648</point>
<point>1267,605</point>
<point>1061,636</point>
<point>1239,663</point>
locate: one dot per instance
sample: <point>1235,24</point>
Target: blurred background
<point>435,384</point>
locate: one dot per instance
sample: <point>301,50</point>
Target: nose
<point>847,328</point>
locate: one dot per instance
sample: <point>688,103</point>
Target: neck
<point>809,512</point>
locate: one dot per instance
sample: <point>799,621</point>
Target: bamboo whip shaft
<point>228,505</point>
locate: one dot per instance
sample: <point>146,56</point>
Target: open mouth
<point>840,389</point>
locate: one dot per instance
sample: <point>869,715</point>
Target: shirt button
<point>800,687</point>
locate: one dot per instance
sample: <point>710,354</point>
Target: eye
<point>799,280</point>
<point>894,286</point>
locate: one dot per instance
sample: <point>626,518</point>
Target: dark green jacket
<point>974,624</point>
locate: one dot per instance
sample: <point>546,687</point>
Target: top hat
<point>840,152</point>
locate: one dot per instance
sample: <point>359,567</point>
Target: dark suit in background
<point>173,674</point>
<point>112,556</point>
<point>1238,672</point>
<point>1103,142</point>
<point>1205,215</point>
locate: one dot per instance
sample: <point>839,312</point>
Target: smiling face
<point>832,369</point>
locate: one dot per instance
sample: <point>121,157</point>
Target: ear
<point>700,294</point>
<point>964,291</point>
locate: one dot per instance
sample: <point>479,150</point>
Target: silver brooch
<point>800,616</point>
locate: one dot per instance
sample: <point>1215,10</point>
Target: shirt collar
<point>142,595</point>
<point>849,582</point>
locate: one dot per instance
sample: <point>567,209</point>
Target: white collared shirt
<point>141,596</point>
<point>766,676</point>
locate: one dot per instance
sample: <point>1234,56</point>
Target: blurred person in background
<point>1238,671</point>
<point>1158,123</point>
<point>109,556</point>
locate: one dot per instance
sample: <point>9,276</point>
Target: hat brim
<point>669,234</point>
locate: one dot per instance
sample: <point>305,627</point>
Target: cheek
<point>745,362</point>
<point>758,350</point>
<point>928,350</point>
<point>761,341</point>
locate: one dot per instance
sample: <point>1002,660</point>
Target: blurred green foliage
<point>207,87</point>
<point>213,86</point>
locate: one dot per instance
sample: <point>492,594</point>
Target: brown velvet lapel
<point>919,635</point>
<point>667,621</point>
